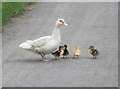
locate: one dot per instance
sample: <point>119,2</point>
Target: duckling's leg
<point>56,58</point>
<point>94,57</point>
<point>74,56</point>
<point>77,56</point>
<point>60,57</point>
<point>66,56</point>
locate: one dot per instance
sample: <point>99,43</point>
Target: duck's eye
<point>61,21</point>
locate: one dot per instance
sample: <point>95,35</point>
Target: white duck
<point>47,44</point>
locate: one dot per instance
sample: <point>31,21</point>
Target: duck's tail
<point>26,45</point>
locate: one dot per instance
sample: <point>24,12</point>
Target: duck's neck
<point>56,32</point>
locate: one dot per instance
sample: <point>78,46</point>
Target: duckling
<point>66,52</point>
<point>58,54</point>
<point>93,52</point>
<point>76,52</point>
<point>61,48</point>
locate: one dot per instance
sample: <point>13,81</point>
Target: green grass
<point>12,9</point>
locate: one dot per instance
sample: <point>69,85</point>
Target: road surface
<point>88,24</point>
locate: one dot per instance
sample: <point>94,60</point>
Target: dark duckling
<point>94,52</point>
<point>66,52</point>
<point>59,53</point>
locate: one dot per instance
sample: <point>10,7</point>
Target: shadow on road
<point>37,60</point>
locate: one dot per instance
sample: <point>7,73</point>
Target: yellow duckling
<point>62,48</point>
<point>76,52</point>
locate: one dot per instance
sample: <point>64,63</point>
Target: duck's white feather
<point>41,41</point>
<point>44,44</point>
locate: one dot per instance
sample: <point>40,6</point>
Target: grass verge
<point>12,9</point>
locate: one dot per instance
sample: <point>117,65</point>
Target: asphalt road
<point>89,24</point>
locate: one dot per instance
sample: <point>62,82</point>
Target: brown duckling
<point>94,52</point>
